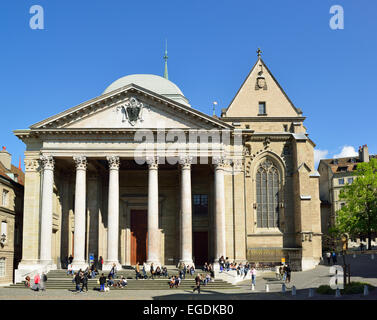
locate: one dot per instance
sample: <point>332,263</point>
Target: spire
<point>166,61</point>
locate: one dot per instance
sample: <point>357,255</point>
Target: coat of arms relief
<point>132,110</point>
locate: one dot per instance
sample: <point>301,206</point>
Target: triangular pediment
<point>130,107</point>
<point>261,86</point>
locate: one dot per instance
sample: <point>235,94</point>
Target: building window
<point>2,267</point>
<point>4,229</point>
<point>341,181</point>
<point>350,180</point>
<point>285,127</point>
<point>4,199</point>
<point>200,204</point>
<point>267,185</point>
<point>262,108</point>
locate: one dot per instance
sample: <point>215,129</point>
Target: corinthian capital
<point>80,162</point>
<point>220,162</point>
<point>47,162</point>
<point>152,162</point>
<point>114,162</point>
<point>185,161</point>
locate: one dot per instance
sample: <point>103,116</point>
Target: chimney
<point>364,153</point>
<point>5,158</point>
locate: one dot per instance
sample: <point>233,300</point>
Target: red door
<point>200,244</point>
<point>139,236</point>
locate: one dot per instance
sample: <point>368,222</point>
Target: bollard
<point>354,255</point>
<point>366,290</point>
<point>337,293</point>
<point>267,288</point>
<point>283,288</point>
<point>311,292</point>
<point>293,291</point>
<point>372,256</point>
<point>252,287</point>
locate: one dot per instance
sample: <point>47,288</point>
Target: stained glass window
<point>267,185</point>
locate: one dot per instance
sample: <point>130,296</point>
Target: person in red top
<point>37,279</point>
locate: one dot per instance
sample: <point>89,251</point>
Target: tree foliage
<point>359,214</point>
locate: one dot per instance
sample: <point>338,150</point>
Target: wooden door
<point>200,247</point>
<point>139,236</point>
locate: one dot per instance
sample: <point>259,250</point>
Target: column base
<point>107,265</point>
<point>77,265</point>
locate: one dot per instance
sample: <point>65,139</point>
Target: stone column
<point>113,215</point>
<point>46,216</point>
<point>186,211</point>
<point>219,208</point>
<point>79,261</point>
<point>154,243</point>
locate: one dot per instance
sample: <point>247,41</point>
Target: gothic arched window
<point>267,184</point>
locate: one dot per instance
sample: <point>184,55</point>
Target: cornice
<point>263,119</point>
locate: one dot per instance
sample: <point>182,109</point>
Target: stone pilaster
<point>79,260</point>
<point>46,215</point>
<point>113,214</point>
<point>30,232</point>
<point>186,211</point>
<point>154,238</point>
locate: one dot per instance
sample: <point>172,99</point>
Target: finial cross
<point>259,51</point>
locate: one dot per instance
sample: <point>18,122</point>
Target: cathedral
<point>137,174</point>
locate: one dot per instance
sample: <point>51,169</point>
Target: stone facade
<point>11,192</point>
<point>202,205</point>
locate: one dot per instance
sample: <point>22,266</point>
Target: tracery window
<point>267,185</point>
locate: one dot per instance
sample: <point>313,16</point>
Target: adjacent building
<point>11,216</point>
<point>248,191</point>
<point>334,175</point>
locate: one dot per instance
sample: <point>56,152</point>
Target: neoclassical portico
<point>80,260</point>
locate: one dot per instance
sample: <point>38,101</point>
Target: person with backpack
<point>102,282</point>
<point>43,282</point>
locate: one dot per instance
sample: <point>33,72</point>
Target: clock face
<point>261,82</point>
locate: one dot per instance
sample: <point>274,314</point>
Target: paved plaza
<point>363,269</point>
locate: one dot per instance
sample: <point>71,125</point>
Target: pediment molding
<point>116,98</point>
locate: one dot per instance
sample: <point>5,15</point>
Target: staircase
<point>58,279</point>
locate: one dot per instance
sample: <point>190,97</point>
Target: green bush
<point>352,288</point>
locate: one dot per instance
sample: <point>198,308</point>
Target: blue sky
<point>86,45</point>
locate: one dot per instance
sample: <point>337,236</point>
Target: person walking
<point>84,282</point>
<point>328,257</point>
<point>288,273</point>
<point>253,276</point>
<point>100,262</point>
<point>43,282</point>
<point>77,280</point>
<point>102,282</point>
<point>37,279</point>
<point>334,259</point>
<point>198,280</point>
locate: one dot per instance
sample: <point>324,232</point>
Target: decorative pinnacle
<point>259,51</point>
<point>166,76</point>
